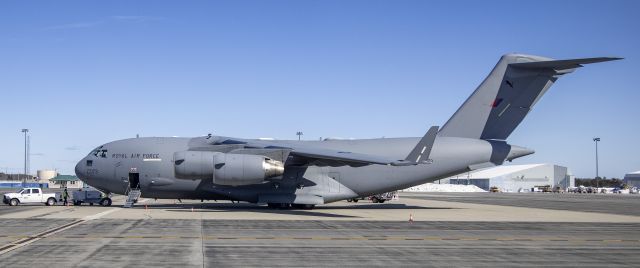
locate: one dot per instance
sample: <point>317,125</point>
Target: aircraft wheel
<point>349,200</point>
<point>355,200</point>
<point>105,202</point>
<point>279,205</point>
<point>14,202</point>
<point>302,206</point>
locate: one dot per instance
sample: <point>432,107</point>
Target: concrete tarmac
<point>192,234</point>
<point>621,204</point>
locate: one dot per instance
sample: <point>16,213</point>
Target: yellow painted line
<point>133,236</point>
<point>22,239</point>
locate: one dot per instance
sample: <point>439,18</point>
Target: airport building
<point>632,179</point>
<point>516,178</point>
<point>62,181</point>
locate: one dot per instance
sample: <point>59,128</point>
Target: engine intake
<point>226,169</point>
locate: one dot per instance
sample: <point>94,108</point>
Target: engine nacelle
<point>226,169</point>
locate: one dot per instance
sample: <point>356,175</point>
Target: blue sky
<point>82,73</point>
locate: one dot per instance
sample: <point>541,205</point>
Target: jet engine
<point>226,169</point>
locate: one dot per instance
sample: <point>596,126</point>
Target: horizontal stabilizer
<point>562,64</point>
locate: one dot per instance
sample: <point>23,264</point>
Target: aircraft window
<point>89,163</point>
<point>36,191</point>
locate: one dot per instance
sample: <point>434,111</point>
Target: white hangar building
<point>516,178</point>
<point>632,179</point>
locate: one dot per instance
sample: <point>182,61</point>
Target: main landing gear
<point>287,206</point>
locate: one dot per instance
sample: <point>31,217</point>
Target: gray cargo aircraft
<point>302,174</point>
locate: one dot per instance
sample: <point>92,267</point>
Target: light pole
<point>299,133</point>
<point>596,140</point>
<point>25,131</point>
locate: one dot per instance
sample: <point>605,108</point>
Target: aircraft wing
<point>306,155</point>
<point>316,156</point>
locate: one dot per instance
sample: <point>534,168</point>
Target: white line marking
<point>423,148</point>
<point>503,110</point>
<point>99,215</point>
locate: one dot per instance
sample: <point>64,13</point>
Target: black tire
<point>14,202</point>
<point>307,207</point>
<point>90,204</point>
<point>105,202</point>
<point>355,200</point>
<point>375,200</point>
<point>51,201</point>
<point>303,206</point>
<point>349,200</point>
<point>381,201</point>
<point>77,203</point>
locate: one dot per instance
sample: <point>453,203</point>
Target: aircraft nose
<point>79,170</point>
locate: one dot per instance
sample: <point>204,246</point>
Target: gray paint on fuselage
<point>157,177</point>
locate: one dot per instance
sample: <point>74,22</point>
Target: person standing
<point>65,196</point>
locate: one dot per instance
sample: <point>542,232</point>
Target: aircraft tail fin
<point>507,95</point>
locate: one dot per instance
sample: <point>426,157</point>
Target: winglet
<point>423,148</point>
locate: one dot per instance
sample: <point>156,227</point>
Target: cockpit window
<point>99,152</point>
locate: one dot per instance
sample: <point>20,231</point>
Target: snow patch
<point>445,188</point>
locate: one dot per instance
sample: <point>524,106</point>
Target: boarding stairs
<point>132,197</point>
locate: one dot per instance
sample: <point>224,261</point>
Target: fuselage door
<point>134,180</point>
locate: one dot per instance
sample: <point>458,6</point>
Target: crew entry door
<point>134,180</point>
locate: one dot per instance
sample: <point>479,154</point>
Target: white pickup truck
<point>29,195</point>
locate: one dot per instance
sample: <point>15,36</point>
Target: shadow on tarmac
<point>245,207</point>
